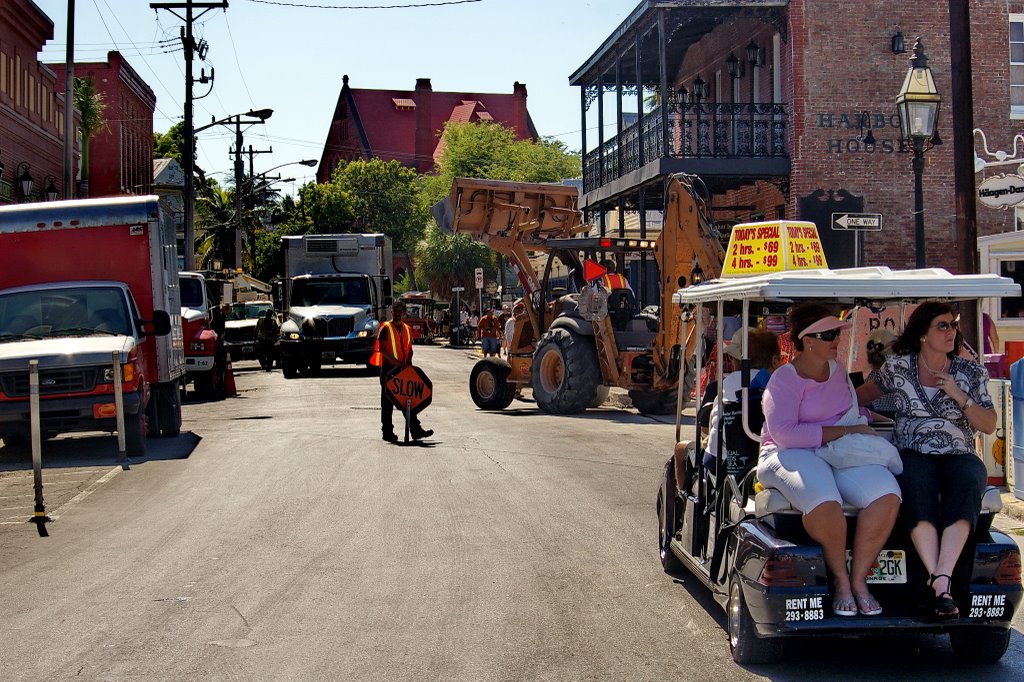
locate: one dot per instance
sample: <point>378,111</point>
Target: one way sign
<point>857,221</point>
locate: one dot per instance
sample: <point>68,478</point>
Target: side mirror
<point>385,288</point>
<point>161,323</point>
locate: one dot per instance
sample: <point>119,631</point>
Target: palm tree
<point>91,105</point>
<point>215,224</point>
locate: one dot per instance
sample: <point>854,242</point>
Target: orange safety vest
<point>401,347</point>
<point>615,280</point>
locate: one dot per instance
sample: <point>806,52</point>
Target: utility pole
<point>189,153</point>
<point>963,151</point>
<point>69,106</point>
<point>239,179</point>
<point>251,153</point>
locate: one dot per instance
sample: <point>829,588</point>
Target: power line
<point>407,6</point>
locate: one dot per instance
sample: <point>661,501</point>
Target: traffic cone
<point>229,380</point>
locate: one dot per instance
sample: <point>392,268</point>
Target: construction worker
<point>612,279</point>
<point>392,349</point>
<point>267,330</point>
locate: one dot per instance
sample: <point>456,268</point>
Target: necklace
<point>920,357</point>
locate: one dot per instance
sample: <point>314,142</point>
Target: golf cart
<point>747,544</point>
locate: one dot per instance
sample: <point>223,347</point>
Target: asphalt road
<point>280,538</point>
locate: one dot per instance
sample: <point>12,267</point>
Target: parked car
<point>240,328</point>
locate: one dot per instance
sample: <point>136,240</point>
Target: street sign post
<point>479,274</point>
<point>857,221</point>
<point>454,314</point>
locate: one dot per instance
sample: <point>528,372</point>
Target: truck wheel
<point>135,433</point>
<point>668,521</point>
<point>489,385</point>
<point>204,385</point>
<point>169,410</point>
<point>654,402</point>
<point>746,646</point>
<point>289,368</point>
<point>565,372</point>
<point>979,644</point>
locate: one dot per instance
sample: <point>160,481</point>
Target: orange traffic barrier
<point>229,380</point>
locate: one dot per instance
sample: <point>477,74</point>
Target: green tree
<point>481,150</point>
<point>215,223</point>
<point>386,199</point>
<point>91,106</point>
<point>170,145</point>
<point>331,208</point>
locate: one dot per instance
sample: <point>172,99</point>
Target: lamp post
<point>50,190</point>
<point>24,181</point>
<point>918,105</point>
<point>237,120</point>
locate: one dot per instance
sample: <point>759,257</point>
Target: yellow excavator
<point>580,337</point>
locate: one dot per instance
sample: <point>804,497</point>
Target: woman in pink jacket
<point>803,405</point>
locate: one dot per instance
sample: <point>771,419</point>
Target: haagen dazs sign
<point>1002,191</point>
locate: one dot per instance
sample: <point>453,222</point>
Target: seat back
<point>739,451</point>
<point>621,304</point>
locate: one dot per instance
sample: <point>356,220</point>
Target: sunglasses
<point>946,326</point>
<point>829,335</point>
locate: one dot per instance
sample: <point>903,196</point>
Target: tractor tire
<point>489,385</point>
<point>566,375</point>
<point>654,402</point>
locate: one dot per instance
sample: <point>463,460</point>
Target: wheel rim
<point>552,370</point>
<point>734,613</point>
<point>486,386</point>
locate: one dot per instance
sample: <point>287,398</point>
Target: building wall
<point>31,100</point>
<point>121,155</point>
<point>835,80</point>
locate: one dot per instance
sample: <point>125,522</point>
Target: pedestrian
<point>474,324</point>
<point>267,330</point>
<point>392,349</point>
<point>518,312</point>
<point>490,333</point>
<point>218,317</point>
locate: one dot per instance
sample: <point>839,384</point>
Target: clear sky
<point>290,56</point>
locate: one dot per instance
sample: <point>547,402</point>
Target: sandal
<point>844,606</point>
<point>944,605</point>
<point>867,604</point>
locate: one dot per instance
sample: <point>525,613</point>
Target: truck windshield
<point>45,313</point>
<point>309,292</point>
<point>191,292</point>
<point>247,311</point>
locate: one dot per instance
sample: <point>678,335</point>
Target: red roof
<point>406,125</point>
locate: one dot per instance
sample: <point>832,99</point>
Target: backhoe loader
<point>574,344</point>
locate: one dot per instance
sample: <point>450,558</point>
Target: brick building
<point>31,104</point>
<point>406,126</point>
<point>771,102</point>
<point>120,155</point>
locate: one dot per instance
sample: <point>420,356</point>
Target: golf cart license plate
<point>889,567</point>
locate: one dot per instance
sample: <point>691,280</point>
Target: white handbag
<point>859,449</point>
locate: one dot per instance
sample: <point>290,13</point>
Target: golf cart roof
<point>875,284</point>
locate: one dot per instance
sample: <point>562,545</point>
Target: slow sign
<point>410,384</point>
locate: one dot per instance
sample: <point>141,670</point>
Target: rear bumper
<point>195,364</point>
<point>65,415</point>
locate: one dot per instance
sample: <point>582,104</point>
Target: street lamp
<point>25,180</point>
<point>918,105</point>
<point>50,190</point>
<point>251,117</point>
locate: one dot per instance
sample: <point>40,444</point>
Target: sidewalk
<point>1013,507</point>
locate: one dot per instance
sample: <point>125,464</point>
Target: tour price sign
<point>759,248</point>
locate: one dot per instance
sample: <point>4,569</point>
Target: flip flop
<point>867,605</point>
<point>844,607</point>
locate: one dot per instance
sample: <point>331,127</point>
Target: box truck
<point>80,281</point>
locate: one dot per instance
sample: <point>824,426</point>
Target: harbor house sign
<point>1002,191</point>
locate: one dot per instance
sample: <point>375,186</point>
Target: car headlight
<point>364,333</point>
<point>294,337</point>
<point>127,373</point>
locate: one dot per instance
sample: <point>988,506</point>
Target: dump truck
<point>574,345</point>
<point>81,281</point>
<point>337,292</point>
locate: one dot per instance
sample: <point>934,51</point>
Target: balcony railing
<point>694,130</point>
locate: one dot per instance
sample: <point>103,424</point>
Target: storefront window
<point>1012,307</point>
